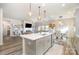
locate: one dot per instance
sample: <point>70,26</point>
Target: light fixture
<point>63,4</point>
<point>60,16</point>
<point>30,13</point>
<point>39,17</point>
<point>44,13</point>
<point>60,22</point>
<point>43,4</point>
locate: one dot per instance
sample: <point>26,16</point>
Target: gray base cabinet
<point>36,47</point>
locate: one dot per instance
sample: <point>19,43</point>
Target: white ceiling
<point>20,10</point>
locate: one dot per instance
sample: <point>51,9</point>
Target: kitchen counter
<point>36,43</point>
<point>35,36</point>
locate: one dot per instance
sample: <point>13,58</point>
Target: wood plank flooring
<point>12,46</point>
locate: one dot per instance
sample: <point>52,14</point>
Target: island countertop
<point>35,36</point>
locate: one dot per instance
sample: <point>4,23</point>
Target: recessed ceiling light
<point>43,4</point>
<point>63,4</point>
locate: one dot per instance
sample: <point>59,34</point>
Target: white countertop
<point>35,36</point>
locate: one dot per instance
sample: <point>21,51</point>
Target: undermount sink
<point>44,33</point>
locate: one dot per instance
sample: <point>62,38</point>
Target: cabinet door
<point>53,39</point>
<point>40,46</point>
<point>43,44</point>
<point>30,47</point>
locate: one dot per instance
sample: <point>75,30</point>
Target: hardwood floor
<point>12,46</point>
<point>55,50</point>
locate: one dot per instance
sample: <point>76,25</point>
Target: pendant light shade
<point>39,17</point>
<point>44,13</point>
<point>30,13</point>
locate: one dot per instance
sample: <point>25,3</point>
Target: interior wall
<point>77,21</point>
<point>1,27</point>
<point>67,21</point>
<point>14,22</point>
<point>7,25</point>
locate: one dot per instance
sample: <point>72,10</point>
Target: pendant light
<point>39,17</point>
<point>44,13</point>
<point>30,13</point>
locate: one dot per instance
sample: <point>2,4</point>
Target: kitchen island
<point>36,43</point>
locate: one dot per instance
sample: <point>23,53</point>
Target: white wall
<point>8,22</point>
<point>1,27</point>
<point>77,21</point>
<point>7,25</point>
